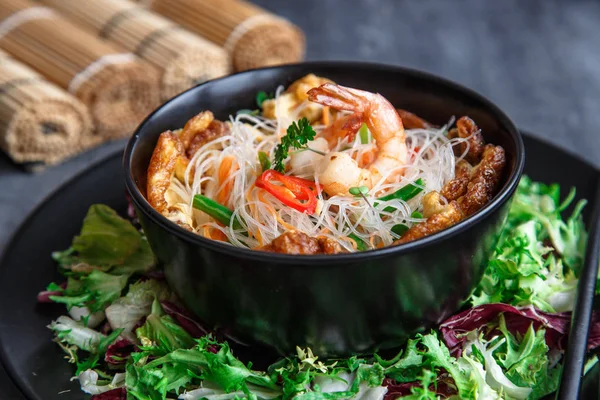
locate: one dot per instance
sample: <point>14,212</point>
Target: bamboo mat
<point>183,58</point>
<point>39,122</point>
<point>253,36</point>
<point>119,89</point>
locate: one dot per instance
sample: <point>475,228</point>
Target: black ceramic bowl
<point>336,304</point>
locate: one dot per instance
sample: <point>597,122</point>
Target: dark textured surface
<point>539,60</point>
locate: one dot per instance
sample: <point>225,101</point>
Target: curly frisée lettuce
<point>147,346</point>
<point>539,255</point>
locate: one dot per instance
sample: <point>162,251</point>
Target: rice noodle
<point>263,217</point>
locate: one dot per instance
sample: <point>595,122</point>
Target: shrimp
<point>338,171</point>
<point>345,126</point>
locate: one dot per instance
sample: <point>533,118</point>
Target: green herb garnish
<point>261,97</point>
<point>263,158</point>
<point>298,135</point>
<point>360,191</point>
<point>363,132</point>
<point>360,244</point>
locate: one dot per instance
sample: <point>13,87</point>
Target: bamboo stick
<point>183,58</point>
<point>119,89</point>
<point>39,122</point>
<point>253,36</point>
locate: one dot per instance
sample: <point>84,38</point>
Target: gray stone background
<point>539,60</point>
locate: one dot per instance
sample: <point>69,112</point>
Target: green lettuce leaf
<point>407,366</point>
<point>106,242</point>
<point>95,290</point>
<point>438,355</point>
<point>143,384</point>
<point>539,253</point>
<point>422,392</point>
<point>161,335</point>
<point>106,238</point>
<point>127,311</point>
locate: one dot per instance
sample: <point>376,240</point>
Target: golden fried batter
<point>481,186</point>
<point>413,121</point>
<point>296,242</point>
<point>194,126</point>
<point>294,96</point>
<point>432,204</point>
<point>457,187</point>
<point>304,84</point>
<point>161,169</point>
<point>214,130</point>
<point>451,215</point>
<point>484,180</point>
<point>467,129</point>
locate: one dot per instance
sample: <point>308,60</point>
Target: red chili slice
<point>297,193</point>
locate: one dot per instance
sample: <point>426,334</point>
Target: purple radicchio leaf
<point>518,320</point>
<point>115,394</point>
<point>118,352</point>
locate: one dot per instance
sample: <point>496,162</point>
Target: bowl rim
<point>325,259</point>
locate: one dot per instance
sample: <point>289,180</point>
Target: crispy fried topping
<point>296,242</point>
<point>467,129</point>
<point>161,169</point>
<point>457,187</point>
<point>484,180</point>
<point>214,130</point>
<point>413,121</point>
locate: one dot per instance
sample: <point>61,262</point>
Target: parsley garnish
<point>261,97</point>
<point>298,135</point>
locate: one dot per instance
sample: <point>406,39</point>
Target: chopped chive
<point>399,229</point>
<point>360,244</point>
<point>261,97</point>
<point>263,158</point>
<point>363,132</point>
<point>247,111</point>
<point>404,193</point>
<point>216,210</point>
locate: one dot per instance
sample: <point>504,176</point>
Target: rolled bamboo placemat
<point>253,36</point>
<point>183,58</point>
<point>39,122</point>
<point>119,89</point>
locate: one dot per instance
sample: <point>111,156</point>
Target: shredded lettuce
<point>507,346</point>
<point>539,254</point>
<point>127,311</point>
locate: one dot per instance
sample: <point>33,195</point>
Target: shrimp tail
<point>338,97</point>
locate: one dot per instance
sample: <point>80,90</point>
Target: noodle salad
<point>335,165</point>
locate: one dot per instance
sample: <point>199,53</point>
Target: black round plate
<point>35,365</point>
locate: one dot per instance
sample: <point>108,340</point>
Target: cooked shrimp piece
<point>413,121</point>
<point>386,127</point>
<point>338,172</point>
<point>167,152</point>
<point>303,162</point>
<point>345,126</point>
